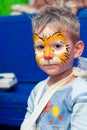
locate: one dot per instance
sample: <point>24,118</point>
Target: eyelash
<point>40,47</point>
<point>57,46</point>
<point>54,46</point>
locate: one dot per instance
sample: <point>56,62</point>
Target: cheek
<point>63,54</point>
<point>60,52</point>
<point>38,55</point>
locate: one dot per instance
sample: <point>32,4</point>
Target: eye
<point>40,47</point>
<point>57,46</point>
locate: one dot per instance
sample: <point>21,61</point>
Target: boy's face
<point>54,51</point>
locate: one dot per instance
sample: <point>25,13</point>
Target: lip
<point>50,65</point>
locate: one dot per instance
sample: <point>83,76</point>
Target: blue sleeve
<point>79,117</point>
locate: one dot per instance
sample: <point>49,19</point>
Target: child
<point>57,44</point>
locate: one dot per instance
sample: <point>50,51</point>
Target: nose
<point>48,57</point>
<point>48,53</point>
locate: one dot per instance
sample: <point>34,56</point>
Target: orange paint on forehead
<point>55,36</point>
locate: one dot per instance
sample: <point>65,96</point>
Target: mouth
<point>51,65</point>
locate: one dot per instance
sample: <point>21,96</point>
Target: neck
<point>55,78</point>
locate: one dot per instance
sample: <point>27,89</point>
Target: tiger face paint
<point>51,50</point>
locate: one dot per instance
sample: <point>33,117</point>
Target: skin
<point>59,70</point>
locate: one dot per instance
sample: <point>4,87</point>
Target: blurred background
<point>5,5</point>
<point>16,7</point>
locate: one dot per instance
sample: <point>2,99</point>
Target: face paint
<point>51,50</point>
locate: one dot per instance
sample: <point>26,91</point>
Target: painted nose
<point>48,57</point>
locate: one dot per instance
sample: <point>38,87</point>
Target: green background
<point>5,5</point>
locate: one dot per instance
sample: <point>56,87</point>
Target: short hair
<point>59,17</point>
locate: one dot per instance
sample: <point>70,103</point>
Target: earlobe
<point>79,48</point>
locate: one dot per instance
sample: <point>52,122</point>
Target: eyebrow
<point>56,33</point>
<point>38,36</point>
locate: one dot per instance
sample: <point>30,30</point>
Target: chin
<point>50,70</point>
<point>51,73</point>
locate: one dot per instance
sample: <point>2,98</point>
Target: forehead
<point>47,31</point>
<point>54,37</point>
<point>49,34</point>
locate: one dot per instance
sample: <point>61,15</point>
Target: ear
<point>79,47</point>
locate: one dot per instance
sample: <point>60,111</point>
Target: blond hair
<point>59,17</point>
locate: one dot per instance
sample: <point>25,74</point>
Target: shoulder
<point>36,90</point>
<point>39,86</point>
<point>79,87</point>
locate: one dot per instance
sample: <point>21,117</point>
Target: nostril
<point>48,57</point>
